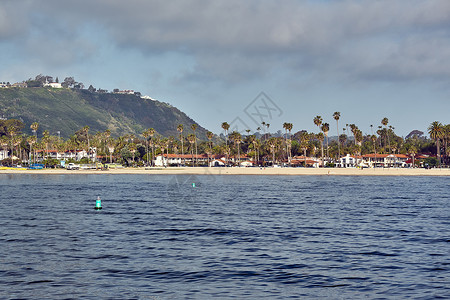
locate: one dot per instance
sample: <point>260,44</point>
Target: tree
<point>320,136</point>
<point>180,130</point>
<point>436,132</point>
<point>336,116</point>
<point>110,143</point>
<point>146,135</point>
<point>288,127</point>
<point>192,139</point>
<point>237,139</point>
<point>412,150</point>
<point>209,135</point>
<point>385,122</point>
<point>46,140</point>
<point>225,127</point>
<point>132,147</point>
<point>325,129</point>
<point>194,128</point>
<point>304,143</point>
<point>91,89</point>
<point>272,143</point>
<point>151,133</point>
<point>34,127</point>
<point>68,82</point>
<point>31,141</point>
<point>85,130</point>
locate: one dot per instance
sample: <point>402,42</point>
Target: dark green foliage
<point>430,161</point>
<point>68,110</point>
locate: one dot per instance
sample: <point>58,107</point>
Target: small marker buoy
<point>193,184</point>
<point>98,203</point>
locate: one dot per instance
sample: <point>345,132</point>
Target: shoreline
<point>241,171</point>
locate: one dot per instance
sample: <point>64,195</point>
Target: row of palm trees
<point>262,148</point>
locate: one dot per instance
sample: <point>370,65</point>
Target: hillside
<point>68,110</point>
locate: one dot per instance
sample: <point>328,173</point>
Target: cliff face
<point>68,110</point>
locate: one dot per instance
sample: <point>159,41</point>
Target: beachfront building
<point>3,154</point>
<point>311,162</point>
<point>200,159</point>
<point>179,159</point>
<point>71,154</point>
<point>386,160</point>
<point>348,161</point>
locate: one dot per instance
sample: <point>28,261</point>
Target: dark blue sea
<point>229,237</point>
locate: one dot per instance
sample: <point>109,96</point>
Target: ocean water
<point>229,237</point>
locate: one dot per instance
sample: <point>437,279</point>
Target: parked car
<point>72,166</point>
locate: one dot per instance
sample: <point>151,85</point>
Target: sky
<point>246,62</point>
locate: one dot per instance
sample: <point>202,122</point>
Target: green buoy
<point>98,204</point>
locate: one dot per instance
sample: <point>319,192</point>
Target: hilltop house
<point>20,85</point>
<point>55,85</point>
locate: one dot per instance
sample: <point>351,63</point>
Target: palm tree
<point>353,129</point>
<point>412,150</point>
<point>194,128</point>
<point>132,147</point>
<point>336,116</point>
<point>191,138</point>
<point>225,127</point>
<point>34,127</point>
<point>104,136</point>
<point>110,143</point>
<point>226,150</point>
<point>317,121</point>
<point>209,135</point>
<point>436,132</point>
<point>285,127</point>
<point>31,141</point>
<point>304,143</point>
<point>46,140</point>
<point>237,139</point>
<point>288,127</point>
<point>320,136</point>
<point>373,137</point>
<point>384,122</point>
<point>146,135</point>
<point>325,129</point>
<point>151,133</point>
<point>85,130</point>
<point>446,141</point>
<point>12,132</point>
<point>272,143</point>
<point>180,128</point>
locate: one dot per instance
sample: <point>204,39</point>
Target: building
<point>54,85</point>
<point>300,161</point>
<point>20,85</point>
<point>348,161</point>
<point>385,160</point>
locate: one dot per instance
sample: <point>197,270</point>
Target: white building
<point>55,85</point>
<point>348,161</point>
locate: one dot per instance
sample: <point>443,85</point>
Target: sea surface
<point>224,237</point>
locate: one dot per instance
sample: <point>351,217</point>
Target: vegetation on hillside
<point>68,109</point>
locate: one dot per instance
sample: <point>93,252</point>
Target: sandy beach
<point>245,171</point>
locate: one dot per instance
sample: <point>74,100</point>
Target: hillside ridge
<point>68,110</point>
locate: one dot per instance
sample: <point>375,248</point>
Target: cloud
<point>236,40</point>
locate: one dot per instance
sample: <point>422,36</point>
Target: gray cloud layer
<point>234,40</point>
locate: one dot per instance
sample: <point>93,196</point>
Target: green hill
<point>68,110</point>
